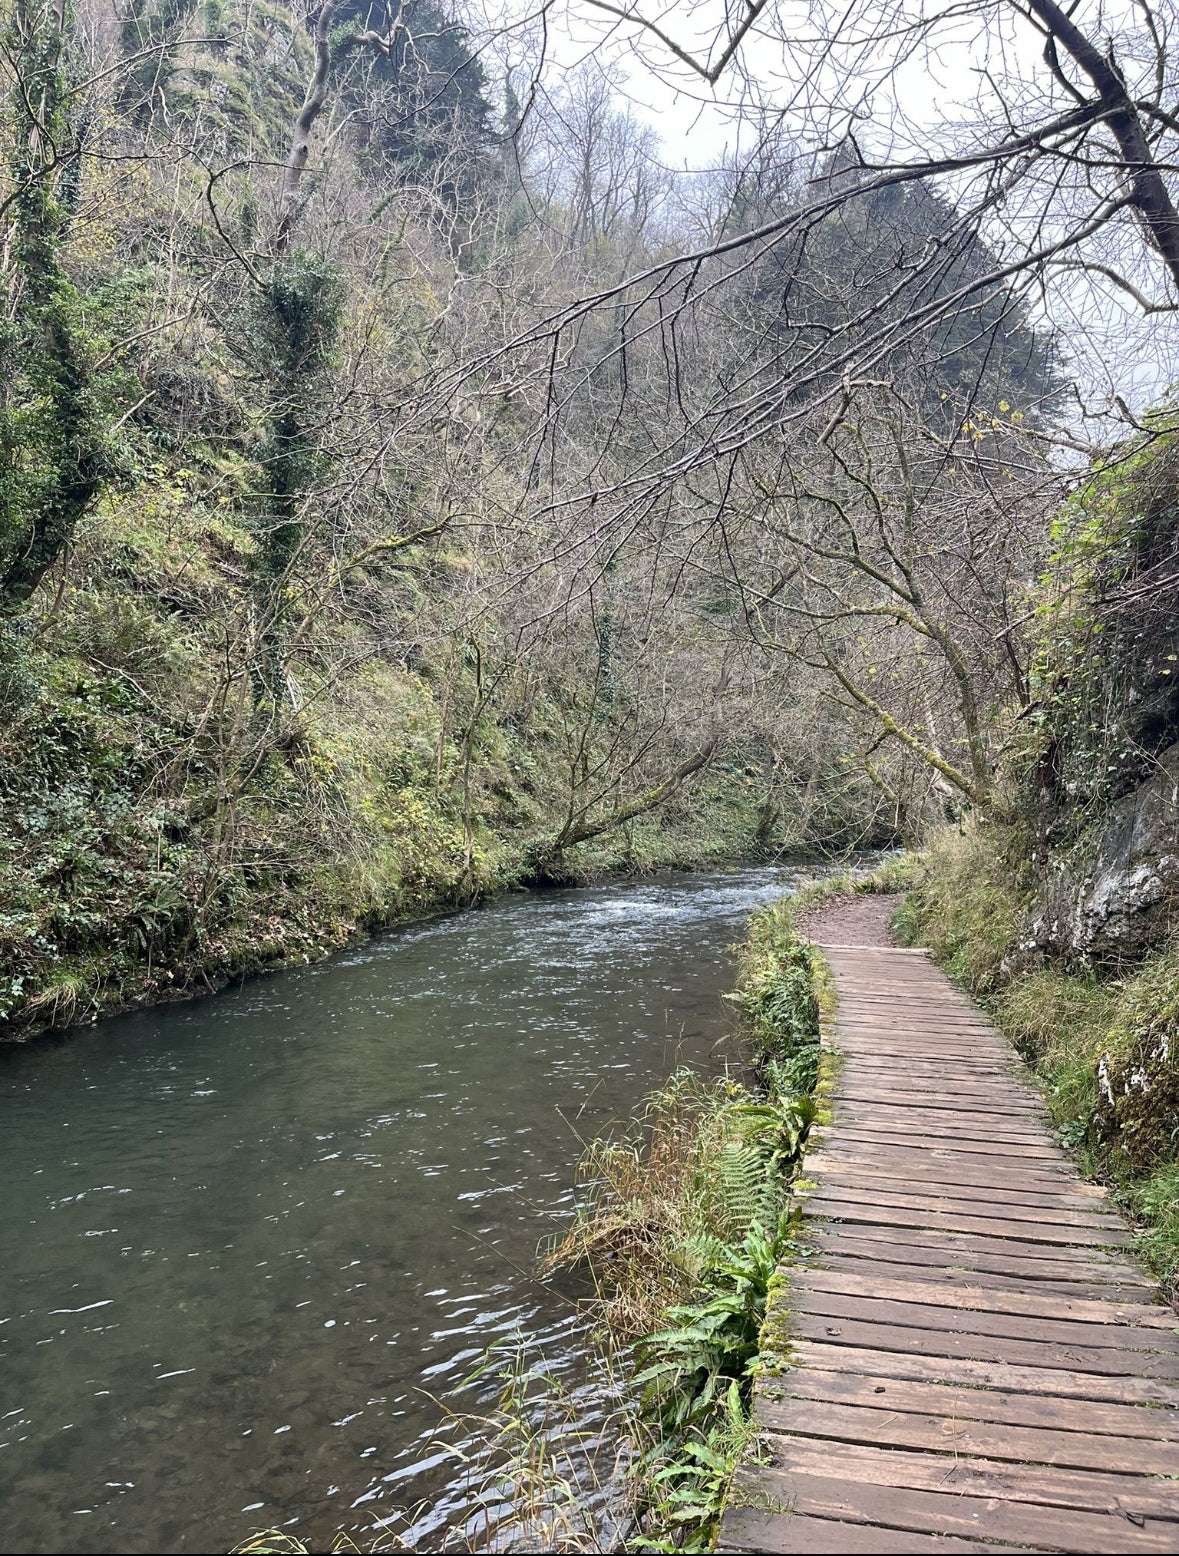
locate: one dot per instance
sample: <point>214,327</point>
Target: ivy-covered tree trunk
<point>53,438</point>
<point>296,324</point>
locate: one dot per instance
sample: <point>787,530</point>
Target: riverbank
<point>161,836</point>
<point>296,923</point>
<point>134,872</point>
<point>684,1223</point>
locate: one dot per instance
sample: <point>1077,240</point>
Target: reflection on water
<point>241,1237</point>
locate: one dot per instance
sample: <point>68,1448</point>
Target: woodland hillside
<point>412,483</point>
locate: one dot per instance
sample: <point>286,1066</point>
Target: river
<point>245,1239</point>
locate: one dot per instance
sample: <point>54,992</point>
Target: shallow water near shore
<point>246,1239</point>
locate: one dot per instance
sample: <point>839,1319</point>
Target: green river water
<point>246,1239</point>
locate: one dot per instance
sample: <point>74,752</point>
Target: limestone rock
<point>1108,898</point>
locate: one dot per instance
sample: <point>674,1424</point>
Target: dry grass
<point>660,1201</point>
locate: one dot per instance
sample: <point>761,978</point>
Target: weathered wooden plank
<point>930,1341</point>
<point>855,1261</point>
<point>967,1250</point>
<point>1093,1491</point>
<point>863,1134</point>
<point>894,1089</point>
<point>979,1373</point>
<point>911,1314</point>
<point>964,1402</point>
<point>843,1208</point>
<point>795,1535</point>
<point>935,1512</point>
<point>954,1123</point>
<point>990,1099</point>
<point>949,1163</point>
<point>980,1439</point>
<point>900,1169</point>
<point>837,1253</point>
<point>929,1134</point>
<point>1041,1158</point>
<point>1039,1304</point>
<point>922,1197</point>
<point>869,1178</point>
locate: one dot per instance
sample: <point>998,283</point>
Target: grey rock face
<point>1109,900</point>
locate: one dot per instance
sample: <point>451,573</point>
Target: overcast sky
<point>938,96</point>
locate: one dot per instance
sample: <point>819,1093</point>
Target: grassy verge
<point>685,1222</point>
<point>1105,1049</point>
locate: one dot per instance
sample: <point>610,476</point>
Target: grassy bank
<point>1104,1048</point>
<point>684,1224</point>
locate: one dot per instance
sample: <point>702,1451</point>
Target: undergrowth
<point>1105,1049</point>
<point>684,1223</point>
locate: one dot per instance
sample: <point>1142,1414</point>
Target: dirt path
<point>855,919</point>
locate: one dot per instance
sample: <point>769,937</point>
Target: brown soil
<point>851,920</point>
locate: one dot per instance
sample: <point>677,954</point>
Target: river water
<point>246,1239</point>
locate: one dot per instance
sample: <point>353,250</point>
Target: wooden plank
<point>1103,1362</point>
<point>898,1167</point>
<point>967,1250</point>
<point>943,1183</point>
<point>933,1133</point>
<point>1039,1304</point>
<point>841,1208</point>
<point>856,1261</point>
<point>794,1535</point>
<point>909,1313</point>
<point>972,1403</point>
<point>986,1095</point>
<point>905,1161</point>
<point>1092,1491</point>
<point>985,1104</point>
<point>946,1080</point>
<point>953,1123</point>
<point>980,1439</point>
<point>1004,1209</point>
<point>1056,1383</point>
<point>857,1122</point>
<point>935,1512</point>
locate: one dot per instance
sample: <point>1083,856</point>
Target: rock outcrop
<point>1108,898</point>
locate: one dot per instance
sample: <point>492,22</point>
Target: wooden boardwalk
<point>978,1363</point>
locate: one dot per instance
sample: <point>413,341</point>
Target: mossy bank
<point>161,834</point>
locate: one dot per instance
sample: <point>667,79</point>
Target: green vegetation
<point>412,486</point>
<point>152,848</point>
<point>684,1224</point>
<point>1057,912</point>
